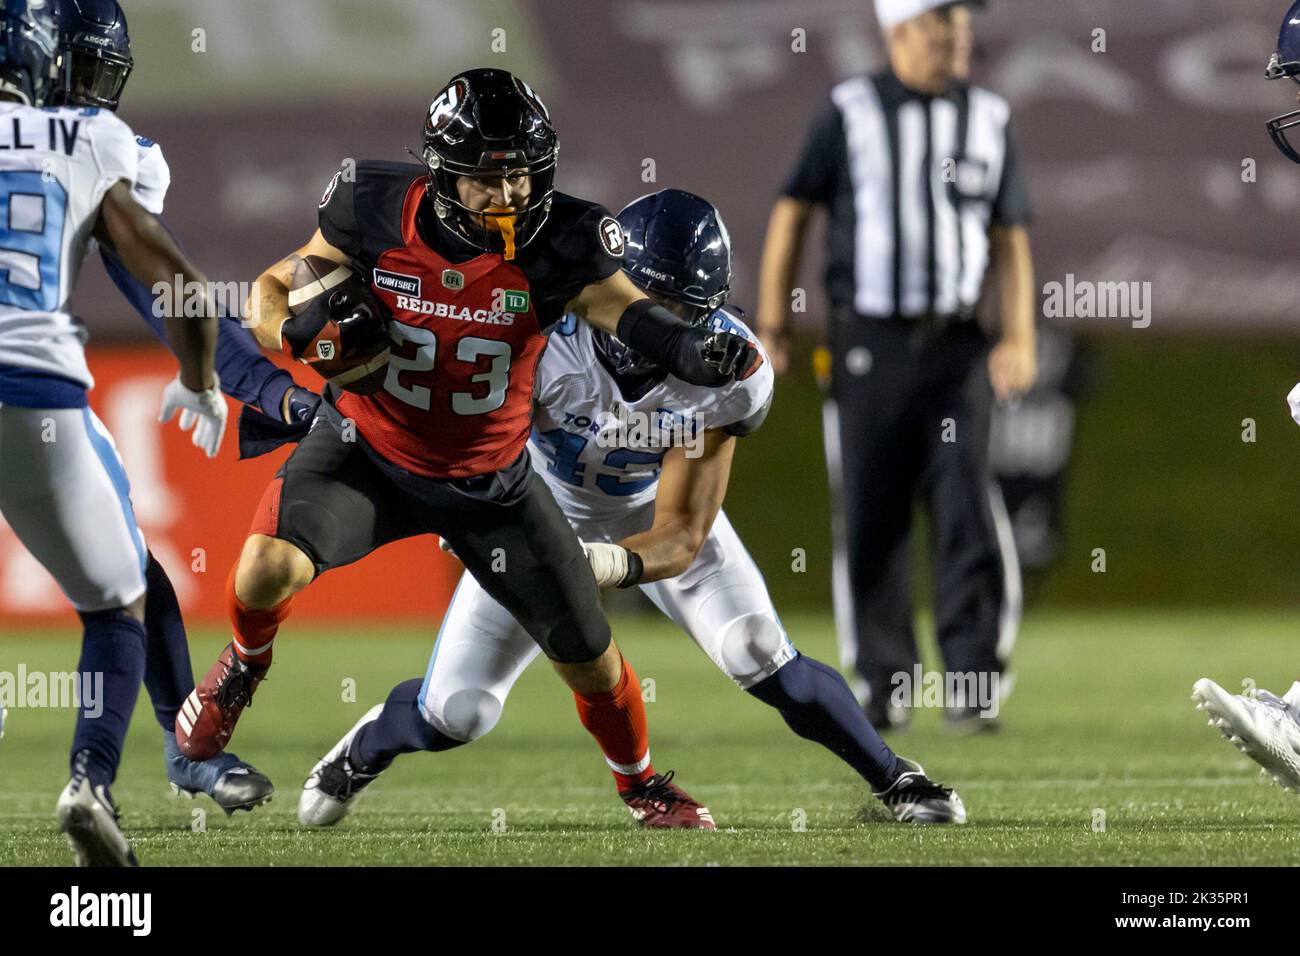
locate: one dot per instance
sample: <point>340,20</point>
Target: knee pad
<point>467,714</point>
<point>752,647</point>
<point>576,643</point>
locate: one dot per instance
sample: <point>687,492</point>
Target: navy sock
<point>168,676</point>
<point>111,668</point>
<point>818,705</point>
<point>400,729</point>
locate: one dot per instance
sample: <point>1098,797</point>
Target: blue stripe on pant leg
<point>437,641</point>
<point>107,455</point>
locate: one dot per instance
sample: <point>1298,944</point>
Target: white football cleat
<point>89,820</point>
<point>1266,728</point>
<point>915,798</point>
<point>334,783</point>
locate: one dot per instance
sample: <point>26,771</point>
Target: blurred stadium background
<point>1133,444</point>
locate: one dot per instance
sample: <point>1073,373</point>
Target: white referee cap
<point>891,12</point>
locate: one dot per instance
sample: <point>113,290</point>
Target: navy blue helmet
<point>678,248</point>
<point>95,53</point>
<point>28,50</point>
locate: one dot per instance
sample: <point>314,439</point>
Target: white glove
<point>205,412</point>
<point>1293,400</point>
<point>609,562</point>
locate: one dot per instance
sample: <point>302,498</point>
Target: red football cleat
<point>208,716</point>
<point>662,805</point>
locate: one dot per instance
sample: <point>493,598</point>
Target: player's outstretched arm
<point>691,488</point>
<point>245,374</point>
<point>147,250</point>
<point>267,307</point>
<point>135,236</point>
<point>692,353</point>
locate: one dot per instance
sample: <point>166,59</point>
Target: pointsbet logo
<point>77,909</point>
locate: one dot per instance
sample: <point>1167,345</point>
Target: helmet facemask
<point>91,76</point>
<point>497,229</point>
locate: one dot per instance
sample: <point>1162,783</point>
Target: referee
<point>918,173</point>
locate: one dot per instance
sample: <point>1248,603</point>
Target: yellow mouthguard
<point>502,220</point>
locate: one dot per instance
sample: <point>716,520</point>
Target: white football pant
<point>720,601</point>
<point>64,492</point>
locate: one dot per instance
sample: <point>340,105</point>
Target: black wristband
<point>635,570</point>
<point>668,341</point>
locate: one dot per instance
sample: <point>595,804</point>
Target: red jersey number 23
<point>471,350</point>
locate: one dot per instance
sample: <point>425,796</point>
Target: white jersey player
<point>639,463</point>
<point>95,62</point>
<point>66,176</point>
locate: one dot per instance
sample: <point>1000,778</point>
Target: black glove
<point>362,327</point>
<point>692,353</point>
<point>732,356</point>
<point>349,317</point>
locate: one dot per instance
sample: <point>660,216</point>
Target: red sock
<point>617,720</point>
<point>254,628</point>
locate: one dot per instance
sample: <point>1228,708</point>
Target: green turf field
<point>1100,721</point>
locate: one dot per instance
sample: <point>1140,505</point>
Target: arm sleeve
<point>246,374</point>
<point>337,214</point>
<point>1011,207</point>
<point>669,342</point>
<point>814,176</point>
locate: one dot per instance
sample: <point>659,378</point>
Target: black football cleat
<point>328,793</point>
<point>232,783</point>
<point>915,798</point>
<point>89,819</point>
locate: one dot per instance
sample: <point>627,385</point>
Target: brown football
<point>337,326</point>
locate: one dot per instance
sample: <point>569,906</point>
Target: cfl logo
<point>325,350</point>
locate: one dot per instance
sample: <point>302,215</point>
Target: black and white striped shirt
<point>912,183</point>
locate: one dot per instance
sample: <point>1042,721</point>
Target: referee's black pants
<point>909,415</point>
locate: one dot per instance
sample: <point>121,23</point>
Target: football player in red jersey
<point>475,256</point>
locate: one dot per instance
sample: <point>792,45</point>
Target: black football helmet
<point>485,123</point>
<point>28,50</point>
<point>677,247</point>
<point>94,53</point>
